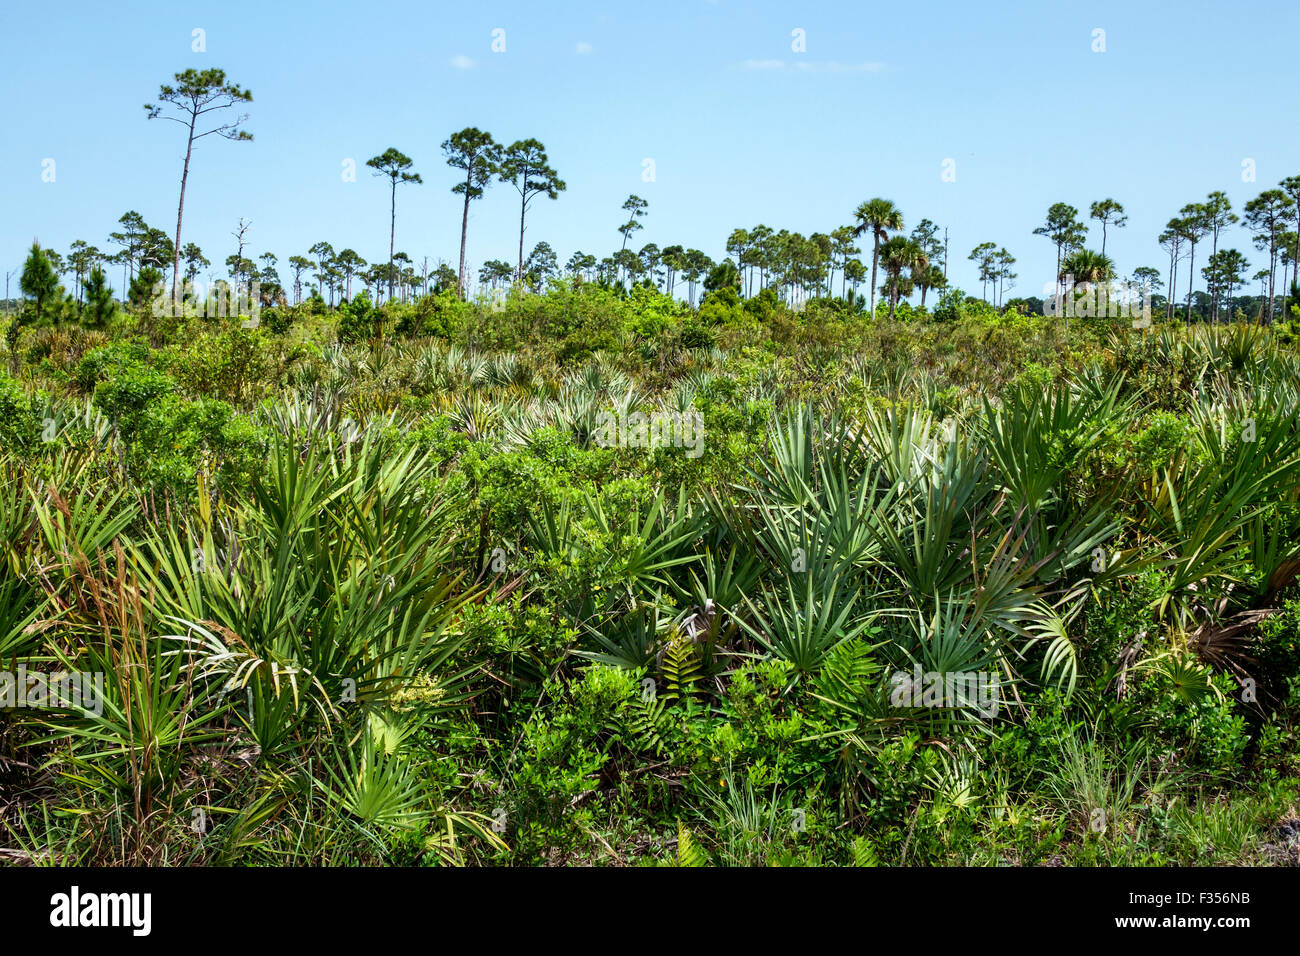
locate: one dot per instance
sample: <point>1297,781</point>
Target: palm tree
<point>879,217</point>
<point>1087,267</point>
<point>899,253</point>
<point>931,278</point>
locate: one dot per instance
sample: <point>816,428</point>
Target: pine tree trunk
<point>1173,286</point>
<point>1272,270</point>
<point>392,233</point>
<point>523,206</point>
<point>464,229</point>
<point>180,207</point>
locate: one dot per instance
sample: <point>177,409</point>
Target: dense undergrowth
<point>368,587</point>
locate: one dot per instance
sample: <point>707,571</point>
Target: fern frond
<point>689,852</point>
<point>681,667</point>
<point>864,854</point>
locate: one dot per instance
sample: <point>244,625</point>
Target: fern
<point>689,852</point>
<point>680,668</point>
<point>646,722</point>
<point>864,854</point>
<point>849,672</point>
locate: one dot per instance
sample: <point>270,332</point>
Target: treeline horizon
<point>798,268</point>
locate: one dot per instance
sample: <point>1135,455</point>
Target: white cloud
<point>462,62</point>
<point>583,48</point>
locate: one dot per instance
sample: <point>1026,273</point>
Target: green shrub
<point>20,421</point>
<point>107,361</point>
<point>129,390</point>
<point>175,438</point>
<point>358,320</point>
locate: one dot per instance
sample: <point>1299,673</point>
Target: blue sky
<point>742,129</point>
